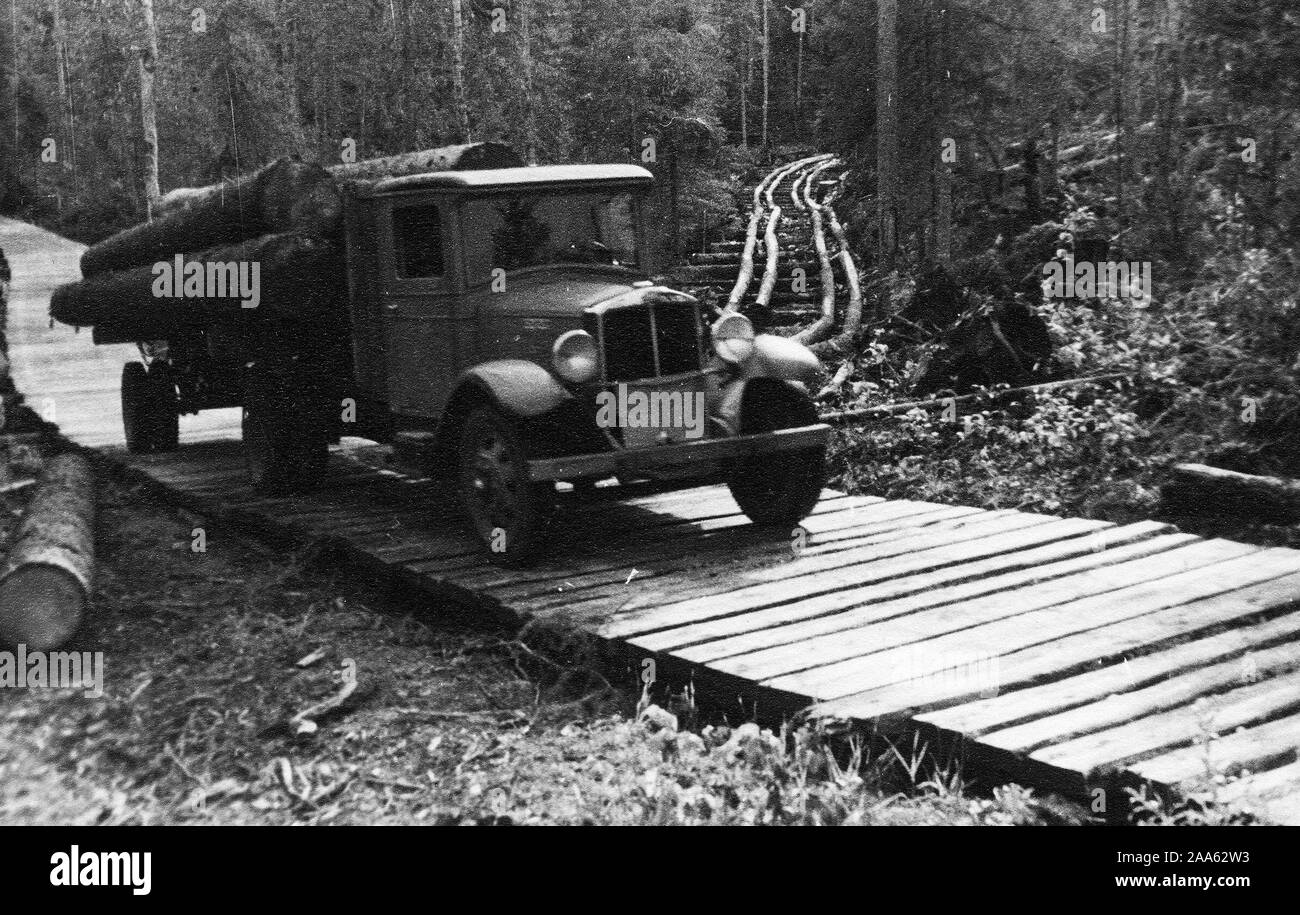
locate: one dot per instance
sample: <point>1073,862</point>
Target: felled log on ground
<point>821,328</point>
<point>285,196</point>
<point>47,576</point>
<point>844,343</point>
<point>1202,488</point>
<point>298,280</point>
<point>441,159</point>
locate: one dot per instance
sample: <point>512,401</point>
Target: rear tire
<point>781,487</point>
<point>137,416</point>
<point>167,420</point>
<point>286,442</point>
<point>506,510</point>
<point>150,421</point>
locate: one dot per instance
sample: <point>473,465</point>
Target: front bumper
<point>701,451</point>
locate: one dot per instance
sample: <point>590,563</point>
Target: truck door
<point>418,306</point>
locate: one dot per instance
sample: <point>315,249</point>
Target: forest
<point>978,141</point>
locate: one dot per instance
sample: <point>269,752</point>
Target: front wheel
<point>505,509</point>
<point>781,487</point>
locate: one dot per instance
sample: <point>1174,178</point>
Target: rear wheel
<point>781,487</point>
<point>149,410</point>
<point>505,509</point>
<point>137,417</point>
<point>286,442</point>
<point>167,420</point>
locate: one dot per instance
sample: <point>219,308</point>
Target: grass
<point>451,721</point>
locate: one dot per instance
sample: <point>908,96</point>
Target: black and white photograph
<point>650,413</point>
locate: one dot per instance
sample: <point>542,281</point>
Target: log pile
<point>281,224</point>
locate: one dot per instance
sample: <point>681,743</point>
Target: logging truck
<point>499,327</point>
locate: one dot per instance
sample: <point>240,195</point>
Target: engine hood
<point>561,292</point>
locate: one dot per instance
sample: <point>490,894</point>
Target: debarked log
<point>290,277</point>
<point>441,159</point>
<point>47,576</point>
<point>285,196</point>
<point>1202,488</point>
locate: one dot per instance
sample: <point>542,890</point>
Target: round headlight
<point>733,337</point>
<point>575,357</point>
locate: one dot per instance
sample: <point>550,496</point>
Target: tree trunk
<point>48,574</point>
<point>8,106</point>
<point>285,195</point>
<point>1117,80</point>
<point>148,111</point>
<point>526,61</point>
<point>887,129</point>
<point>458,70</point>
<point>443,158</point>
<point>766,71</point>
<point>943,169</point>
<point>68,152</point>
<point>823,327</point>
<point>744,95</point>
<point>300,280</point>
<point>1200,488</point>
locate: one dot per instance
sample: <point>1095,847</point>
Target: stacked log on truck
<point>286,218</point>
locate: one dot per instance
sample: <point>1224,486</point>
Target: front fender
<point>729,403</point>
<point>516,386</point>
<point>784,359</point>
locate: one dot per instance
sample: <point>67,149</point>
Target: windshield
<point>555,227</point>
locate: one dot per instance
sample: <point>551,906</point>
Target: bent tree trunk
<point>47,577</point>
<point>822,327</point>
<point>842,344</point>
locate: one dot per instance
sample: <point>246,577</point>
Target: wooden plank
<point>1070,655</point>
<point>949,546</point>
<point>1257,787</point>
<point>594,548</point>
<point>712,640</point>
<point>739,543</point>
<point>1119,709</point>
<point>892,624</point>
<point>1082,691</point>
<point>990,640</point>
<point>915,534</point>
<point>1107,750</point>
<point>1260,747</point>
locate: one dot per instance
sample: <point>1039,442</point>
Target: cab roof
<point>539,176</point>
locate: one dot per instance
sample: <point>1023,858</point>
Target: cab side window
<point>417,242</point>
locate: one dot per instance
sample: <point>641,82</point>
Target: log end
<point>41,607</point>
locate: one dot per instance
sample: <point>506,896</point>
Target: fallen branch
<point>305,721</point>
<point>848,416</point>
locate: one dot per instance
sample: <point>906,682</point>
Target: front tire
<point>505,509</point>
<point>781,487</point>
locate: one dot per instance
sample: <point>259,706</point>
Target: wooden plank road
<point>1067,653</point>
